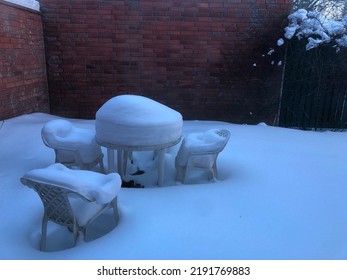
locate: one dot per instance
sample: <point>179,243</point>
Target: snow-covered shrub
<point>316,29</point>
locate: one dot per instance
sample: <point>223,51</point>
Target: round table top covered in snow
<point>137,121</point>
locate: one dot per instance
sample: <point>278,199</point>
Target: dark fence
<point>314,88</point>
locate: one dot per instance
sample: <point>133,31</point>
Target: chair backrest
<point>57,184</point>
<point>210,142</point>
<point>54,132</point>
<point>73,198</point>
<point>73,146</point>
<point>55,201</point>
<point>54,135</point>
<point>224,133</point>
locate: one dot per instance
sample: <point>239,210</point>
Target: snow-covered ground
<point>281,194</point>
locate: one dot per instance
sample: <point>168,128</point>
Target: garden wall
<point>196,56</point>
<point>23,80</point>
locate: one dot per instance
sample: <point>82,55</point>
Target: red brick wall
<point>23,81</point>
<point>195,56</point>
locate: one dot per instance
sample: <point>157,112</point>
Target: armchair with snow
<point>200,151</point>
<point>75,199</point>
<point>75,147</point>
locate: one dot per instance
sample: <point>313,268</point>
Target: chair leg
<point>178,177</point>
<point>115,210</point>
<point>185,172</point>
<point>214,172</point>
<point>101,164</point>
<point>74,230</point>
<point>85,231</point>
<point>43,233</point>
<point>125,162</point>
<point>181,174</point>
<point>75,233</point>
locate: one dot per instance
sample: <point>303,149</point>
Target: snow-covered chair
<point>73,198</point>
<point>200,150</point>
<point>74,147</point>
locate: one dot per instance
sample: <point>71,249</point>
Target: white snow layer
<point>317,29</point>
<point>31,4</point>
<point>134,120</point>
<point>93,185</point>
<point>281,194</point>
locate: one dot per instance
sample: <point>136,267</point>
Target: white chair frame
<point>183,170</point>
<point>77,161</point>
<point>58,209</point>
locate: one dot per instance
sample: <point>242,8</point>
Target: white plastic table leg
<point>120,162</point>
<point>110,160</point>
<point>161,166</point>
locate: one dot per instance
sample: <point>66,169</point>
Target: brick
<point>195,56</point>
<point>23,86</point>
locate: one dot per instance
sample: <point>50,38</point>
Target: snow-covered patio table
<point>129,123</point>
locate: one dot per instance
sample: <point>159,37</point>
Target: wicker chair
<point>73,198</point>
<point>200,150</point>
<point>74,147</point>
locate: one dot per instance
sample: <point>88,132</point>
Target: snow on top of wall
<point>31,4</point>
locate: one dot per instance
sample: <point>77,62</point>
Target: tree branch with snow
<point>316,29</point>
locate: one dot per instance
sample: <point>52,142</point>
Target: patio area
<point>281,194</point>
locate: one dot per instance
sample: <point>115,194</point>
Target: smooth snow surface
<point>281,194</point>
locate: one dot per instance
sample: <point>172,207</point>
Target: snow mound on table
<point>133,120</point>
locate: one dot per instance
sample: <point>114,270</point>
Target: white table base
<point>123,152</point>
<point>122,156</point>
